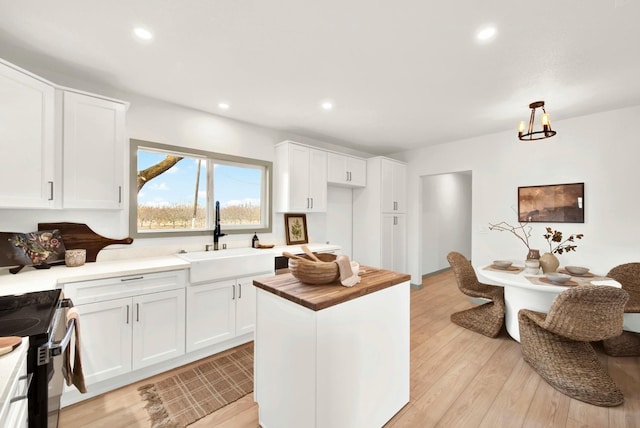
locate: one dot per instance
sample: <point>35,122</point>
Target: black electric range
<point>28,314</point>
<point>35,315</point>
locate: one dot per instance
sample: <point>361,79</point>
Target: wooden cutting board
<point>79,235</point>
<point>9,343</point>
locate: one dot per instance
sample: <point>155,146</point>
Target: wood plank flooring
<point>458,379</point>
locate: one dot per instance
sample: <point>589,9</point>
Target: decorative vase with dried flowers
<point>522,232</point>
<point>548,261</point>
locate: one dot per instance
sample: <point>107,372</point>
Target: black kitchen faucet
<point>217,233</point>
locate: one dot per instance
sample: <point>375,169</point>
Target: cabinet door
<point>400,243</point>
<point>317,180</point>
<point>394,242</point>
<point>93,142</point>
<point>299,180</point>
<point>393,187</point>
<point>399,180</point>
<point>27,139</point>
<point>357,169</point>
<point>386,241</point>
<point>158,327</point>
<point>337,170</point>
<point>210,313</point>
<point>106,339</point>
<point>245,306</point>
<point>346,170</point>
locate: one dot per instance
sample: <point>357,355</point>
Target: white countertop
<point>30,279</point>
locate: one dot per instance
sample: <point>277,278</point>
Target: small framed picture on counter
<point>295,226</point>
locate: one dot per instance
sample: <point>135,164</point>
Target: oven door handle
<point>54,348</point>
<point>58,348</point>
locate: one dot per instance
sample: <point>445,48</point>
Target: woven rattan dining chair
<point>557,344</point>
<point>628,343</point>
<point>487,318</point>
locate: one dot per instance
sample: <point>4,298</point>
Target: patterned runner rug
<point>191,394</point>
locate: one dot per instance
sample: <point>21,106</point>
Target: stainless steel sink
<point>231,263</point>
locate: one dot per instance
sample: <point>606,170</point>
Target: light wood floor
<point>458,379</point>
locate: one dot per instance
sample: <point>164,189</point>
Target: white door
<point>399,180</point>
<point>27,141</point>
<point>317,180</point>
<point>158,327</point>
<point>386,183</point>
<point>400,243</point>
<point>337,170</point>
<point>357,169</point>
<point>106,339</point>
<point>299,180</point>
<point>245,306</point>
<point>210,313</point>
<point>93,141</point>
<point>386,241</point>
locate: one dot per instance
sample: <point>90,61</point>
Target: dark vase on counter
<point>533,254</point>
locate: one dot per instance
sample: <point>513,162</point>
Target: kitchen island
<point>332,356</point>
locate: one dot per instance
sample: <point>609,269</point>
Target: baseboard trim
<point>427,275</point>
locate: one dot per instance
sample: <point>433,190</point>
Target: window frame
<point>211,158</point>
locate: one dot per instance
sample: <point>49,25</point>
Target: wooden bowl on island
<point>313,272</point>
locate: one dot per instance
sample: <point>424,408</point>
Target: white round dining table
<point>525,291</point>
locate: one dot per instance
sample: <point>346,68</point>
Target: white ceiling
<point>402,74</point>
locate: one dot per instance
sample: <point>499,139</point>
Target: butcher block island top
<point>318,297</point>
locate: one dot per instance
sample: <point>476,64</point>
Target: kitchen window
<point>174,190</point>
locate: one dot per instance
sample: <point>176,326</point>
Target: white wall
<point>600,150</point>
<point>446,219</point>
<point>340,218</point>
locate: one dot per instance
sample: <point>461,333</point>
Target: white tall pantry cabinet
<point>380,219</point>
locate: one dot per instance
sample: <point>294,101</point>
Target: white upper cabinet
<point>394,186</point>
<point>93,152</point>
<point>345,170</point>
<point>300,178</point>
<point>27,140</point>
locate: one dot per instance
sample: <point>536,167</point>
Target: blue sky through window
<point>233,184</point>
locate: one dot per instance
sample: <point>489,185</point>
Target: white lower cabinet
<point>14,407</point>
<point>218,311</point>
<point>119,335</point>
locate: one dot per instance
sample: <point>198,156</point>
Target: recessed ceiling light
<point>327,105</point>
<point>486,33</point>
<point>143,33</point>
<point>223,106</point>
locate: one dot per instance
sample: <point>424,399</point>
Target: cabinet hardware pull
<point>233,297</point>
<point>23,395</point>
<point>50,190</point>
<point>119,194</point>
<point>127,314</point>
<point>137,312</point>
<point>132,278</point>
<point>311,203</point>
<point>239,291</point>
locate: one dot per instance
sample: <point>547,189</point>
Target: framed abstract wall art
<point>553,203</point>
